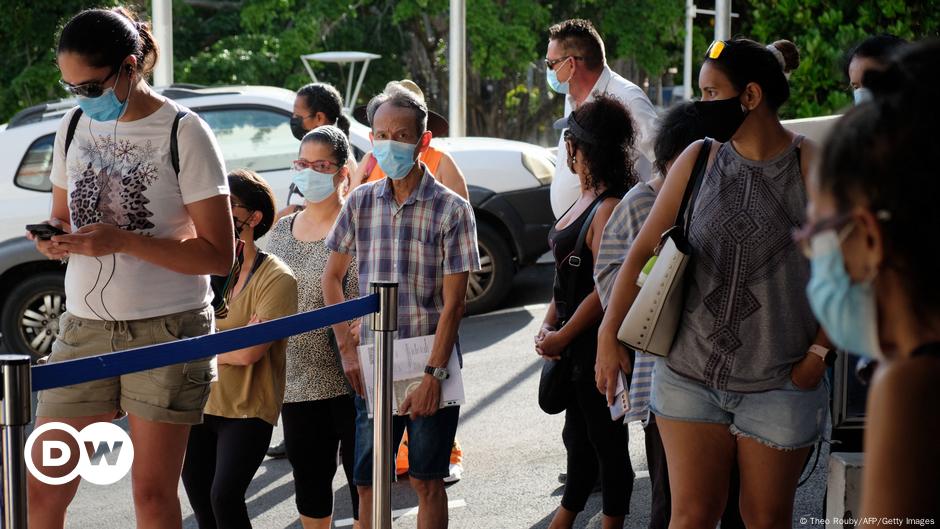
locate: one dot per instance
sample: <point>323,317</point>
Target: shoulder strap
<point>574,260</point>
<point>70,132</point>
<point>692,188</point>
<point>174,142</point>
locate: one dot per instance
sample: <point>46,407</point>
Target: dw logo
<point>107,457</point>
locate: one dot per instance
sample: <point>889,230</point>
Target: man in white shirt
<point>576,66</point>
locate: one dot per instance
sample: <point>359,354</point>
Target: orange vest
<point>431,157</point>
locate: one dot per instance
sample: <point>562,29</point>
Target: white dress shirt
<point>566,188</point>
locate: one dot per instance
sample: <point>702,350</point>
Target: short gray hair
<point>401,97</point>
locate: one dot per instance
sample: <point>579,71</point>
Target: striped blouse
<point>621,230</point>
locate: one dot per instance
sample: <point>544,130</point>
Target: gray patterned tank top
<point>746,318</point>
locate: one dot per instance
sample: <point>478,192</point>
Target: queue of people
<point>796,252</point>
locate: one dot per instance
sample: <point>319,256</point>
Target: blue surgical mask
<point>554,83</point>
<point>862,95</point>
<point>105,107</point>
<point>846,310</point>
<point>394,157</point>
<point>313,185</point>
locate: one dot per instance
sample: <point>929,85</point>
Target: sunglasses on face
<point>714,51</point>
<point>551,63</point>
<point>320,166</point>
<point>90,89</point>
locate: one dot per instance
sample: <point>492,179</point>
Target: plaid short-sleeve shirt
<point>415,244</point>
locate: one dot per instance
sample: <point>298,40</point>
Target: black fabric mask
<point>721,118</point>
<point>297,127</point>
<point>239,226</point>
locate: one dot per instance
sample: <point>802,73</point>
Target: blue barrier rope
<point>108,365</point>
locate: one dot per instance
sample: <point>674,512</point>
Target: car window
<point>36,165</point>
<point>252,138</point>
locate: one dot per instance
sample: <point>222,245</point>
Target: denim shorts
<point>788,418</point>
<point>429,443</point>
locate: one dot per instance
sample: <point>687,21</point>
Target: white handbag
<point>651,323</point>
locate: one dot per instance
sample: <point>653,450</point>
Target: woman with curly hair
<point>599,139</point>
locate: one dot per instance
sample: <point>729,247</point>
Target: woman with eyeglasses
<point>318,412</point>
<point>869,237</point>
<point>146,224</point>
<point>225,451</point>
<point>599,139</point>
<point>743,380</point>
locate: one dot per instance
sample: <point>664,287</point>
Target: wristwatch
<point>439,373</point>
<point>828,356</point>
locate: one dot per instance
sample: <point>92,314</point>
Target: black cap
<point>575,129</point>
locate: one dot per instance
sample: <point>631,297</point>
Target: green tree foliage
<point>824,30</point>
<point>28,75</point>
<point>260,42</point>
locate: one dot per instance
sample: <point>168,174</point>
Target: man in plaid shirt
<point>409,229</point>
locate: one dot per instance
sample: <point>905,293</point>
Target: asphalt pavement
<point>513,451</point>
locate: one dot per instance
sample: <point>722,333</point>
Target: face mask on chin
<point>721,118</point>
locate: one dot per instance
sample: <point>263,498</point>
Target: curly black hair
<point>882,155</point>
<point>609,157</point>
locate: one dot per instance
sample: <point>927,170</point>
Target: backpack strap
<point>70,132</point>
<point>174,142</point>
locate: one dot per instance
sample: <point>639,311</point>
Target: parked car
<point>508,181</point>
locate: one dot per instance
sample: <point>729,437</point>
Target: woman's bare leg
<point>768,483</point>
<point>699,457</point>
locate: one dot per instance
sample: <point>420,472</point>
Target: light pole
<point>723,16</point>
<point>457,62</point>
<point>163,33</point>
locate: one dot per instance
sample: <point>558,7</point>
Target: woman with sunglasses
<point>318,412</point>
<point>225,451</point>
<point>743,380</point>
<point>144,234</point>
<point>874,273</point>
<point>599,139</point>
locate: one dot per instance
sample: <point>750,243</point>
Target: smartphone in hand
<point>44,232</point>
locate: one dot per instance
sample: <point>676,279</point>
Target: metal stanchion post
<point>384,325</point>
<point>15,415</point>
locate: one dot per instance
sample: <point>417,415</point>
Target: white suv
<point>509,189</point>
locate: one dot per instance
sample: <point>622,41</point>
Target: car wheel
<point>30,317</point>
<point>489,286</point>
